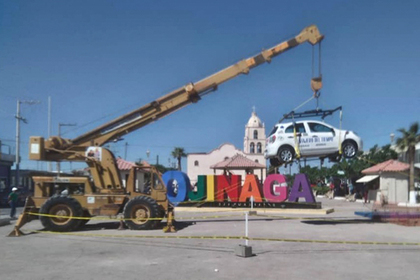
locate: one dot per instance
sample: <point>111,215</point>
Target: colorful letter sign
<point>223,187</point>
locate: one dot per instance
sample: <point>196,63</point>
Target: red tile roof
<point>387,166</point>
<point>237,162</point>
<point>127,165</point>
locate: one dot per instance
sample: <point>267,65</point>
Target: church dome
<point>254,121</point>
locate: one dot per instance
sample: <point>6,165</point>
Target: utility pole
<point>125,150</point>
<point>49,128</point>
<point>19,118</point>
<point>59,135</point>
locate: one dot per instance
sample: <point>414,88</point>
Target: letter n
<point>228,187</point>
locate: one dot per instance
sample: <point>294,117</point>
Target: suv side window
<point>274,130</point>
<point>299,128</point>
<point>317,127</point>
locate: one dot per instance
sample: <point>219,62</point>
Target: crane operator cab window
<point>66,189</point>
<point>157,183</point>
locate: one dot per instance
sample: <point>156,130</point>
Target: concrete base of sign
<point>243,251</point>
<point>322,211</point>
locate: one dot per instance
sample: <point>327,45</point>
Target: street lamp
<point>19,118</point>
<point>59,134</point>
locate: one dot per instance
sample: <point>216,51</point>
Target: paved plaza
<point>101,251</point>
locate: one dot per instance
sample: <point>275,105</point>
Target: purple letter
<point>301,188</point>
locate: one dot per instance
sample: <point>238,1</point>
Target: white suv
<point>313,139</point>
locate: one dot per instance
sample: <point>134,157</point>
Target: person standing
<point>12,200</point>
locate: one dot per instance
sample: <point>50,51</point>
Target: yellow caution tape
<point>233,238</point>
<point>187,218</point>
<point>127,219</point>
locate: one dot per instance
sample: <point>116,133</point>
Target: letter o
<point>183,185</point>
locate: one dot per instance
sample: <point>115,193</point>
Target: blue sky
<point>100,59</point>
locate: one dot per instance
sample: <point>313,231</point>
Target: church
<point>228,158</point>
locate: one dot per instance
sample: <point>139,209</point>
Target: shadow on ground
<point>338,222</point>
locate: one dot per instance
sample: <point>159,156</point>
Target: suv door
<point>301,137</point>
<point>325,140</point>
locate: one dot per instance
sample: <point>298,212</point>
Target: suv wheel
<point>349,149</point>
<point>285,154</point>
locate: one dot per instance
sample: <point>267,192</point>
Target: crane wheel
<point>142,212</point>
<point>60,209</point>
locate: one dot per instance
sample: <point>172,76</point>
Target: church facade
<point>253,149</point>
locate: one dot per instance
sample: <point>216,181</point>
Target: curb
<point>323,211</point>
<point>4,221</point>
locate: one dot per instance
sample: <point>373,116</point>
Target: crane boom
<point>105,173</point>
<point>185,95</point>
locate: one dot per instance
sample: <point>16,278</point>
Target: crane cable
<point>297,151</point>
<point>339,134</point>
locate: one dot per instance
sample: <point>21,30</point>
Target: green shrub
<point>321,190</point>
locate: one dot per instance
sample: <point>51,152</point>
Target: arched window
<point>196,163</point>
<point>259,148</point>
<point>255,134</point>
<point>252,148</point>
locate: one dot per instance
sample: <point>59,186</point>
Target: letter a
<point>250,188</point>
<point>301,183</point>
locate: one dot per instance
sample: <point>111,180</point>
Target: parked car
<point>313,139</point>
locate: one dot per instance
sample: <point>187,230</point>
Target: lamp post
<point>59,135</point>
<point>19,118</point>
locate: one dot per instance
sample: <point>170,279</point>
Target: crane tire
<point>142,212</point>
<point>61,208</point>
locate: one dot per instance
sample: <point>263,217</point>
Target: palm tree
<point>408,142</point>
<point>179,153</point>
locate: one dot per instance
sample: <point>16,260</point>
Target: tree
<point>407,142</point>
<point>179,153</point>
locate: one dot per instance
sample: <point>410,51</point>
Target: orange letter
<point>250,188</point>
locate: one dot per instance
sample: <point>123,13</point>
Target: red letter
<point>227,186</point>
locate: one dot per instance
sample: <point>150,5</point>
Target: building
<point>389,179</point>
<point>254,146</point>
<point>6,162</point>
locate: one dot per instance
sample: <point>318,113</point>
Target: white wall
<point>394,186</point>
<point>206,160</point>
